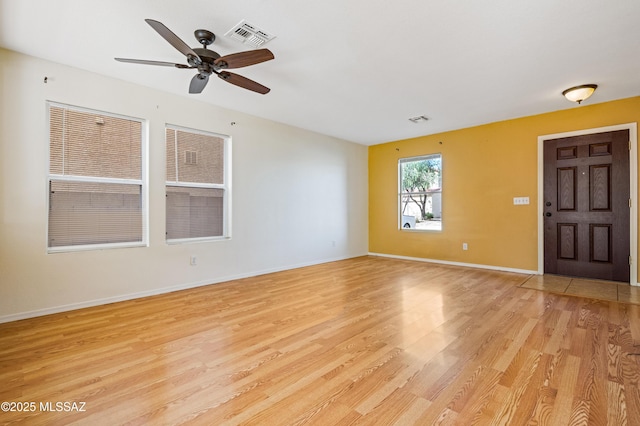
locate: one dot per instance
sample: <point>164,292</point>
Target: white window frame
<point>225,186</point>
<point>402,161</point>
<point>142,182</point>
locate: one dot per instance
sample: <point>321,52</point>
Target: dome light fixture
<point>580,93</point>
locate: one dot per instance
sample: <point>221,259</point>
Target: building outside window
<point>197,186</point>
<point>420,193</point>
<point>96,180</point>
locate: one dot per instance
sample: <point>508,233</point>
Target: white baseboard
<point>185,286</point>
<point>157,291</point>
<point>468,265</point>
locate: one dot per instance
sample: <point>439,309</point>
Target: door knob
<point>548,214</point>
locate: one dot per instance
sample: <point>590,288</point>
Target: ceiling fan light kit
<point>579,93</point>
<point>207,61</point>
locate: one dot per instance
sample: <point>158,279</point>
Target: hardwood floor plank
<point>561,411</point>
<point>422,383</point>
<point>363,341</point>
<point>507,414</point>
<point>559,333</point>
<point>634,323</point>
<point>632,400</point>
<point>473,404</point>
<point>617,412</point>
<point>507,355</point>
<point>538,398</point>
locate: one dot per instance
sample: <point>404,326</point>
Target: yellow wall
<point>484,167</point>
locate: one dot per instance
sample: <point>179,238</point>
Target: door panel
<point>567,190</point>
<point>586,206</point>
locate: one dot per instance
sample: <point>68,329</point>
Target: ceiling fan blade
<point>174,40</point>
<point>145,62</point>
<point>198,82</point>
<point>243,59</point>
<point>243,82</point>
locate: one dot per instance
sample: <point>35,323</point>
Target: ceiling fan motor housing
<point>207,57</point>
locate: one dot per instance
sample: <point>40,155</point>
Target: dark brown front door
<point>586,206</point>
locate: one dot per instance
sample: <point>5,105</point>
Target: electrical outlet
<point>520,201</point>
<point>193,260</point>
<point>465,246</point>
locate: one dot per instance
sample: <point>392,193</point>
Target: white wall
<point>295,193</point>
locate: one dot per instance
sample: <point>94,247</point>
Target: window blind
<point>95,179</point>
<point>196,188</point>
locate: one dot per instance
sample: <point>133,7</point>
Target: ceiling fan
<point>207,61</point>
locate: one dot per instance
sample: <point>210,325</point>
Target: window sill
<point>196,240</point>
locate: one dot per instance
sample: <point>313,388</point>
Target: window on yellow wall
<point>420,193</point>
<point>197,186</point>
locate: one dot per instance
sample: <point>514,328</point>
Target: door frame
<point>633,188</point>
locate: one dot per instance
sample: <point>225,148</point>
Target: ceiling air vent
<point>419,119</point>
<point>249,34</point>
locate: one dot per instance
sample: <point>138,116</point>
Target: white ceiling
<point>358,69</point>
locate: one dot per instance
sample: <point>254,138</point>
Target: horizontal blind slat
<point>90,213</point>
<point>194,212</point>
<point>89,144</point>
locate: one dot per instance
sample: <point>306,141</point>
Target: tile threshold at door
<point>594,289</point>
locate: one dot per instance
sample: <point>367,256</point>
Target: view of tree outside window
<point>420,195</point>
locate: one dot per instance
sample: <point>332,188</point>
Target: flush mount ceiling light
<point>580,93</point>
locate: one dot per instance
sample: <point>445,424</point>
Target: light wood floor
<point>362,341</point>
